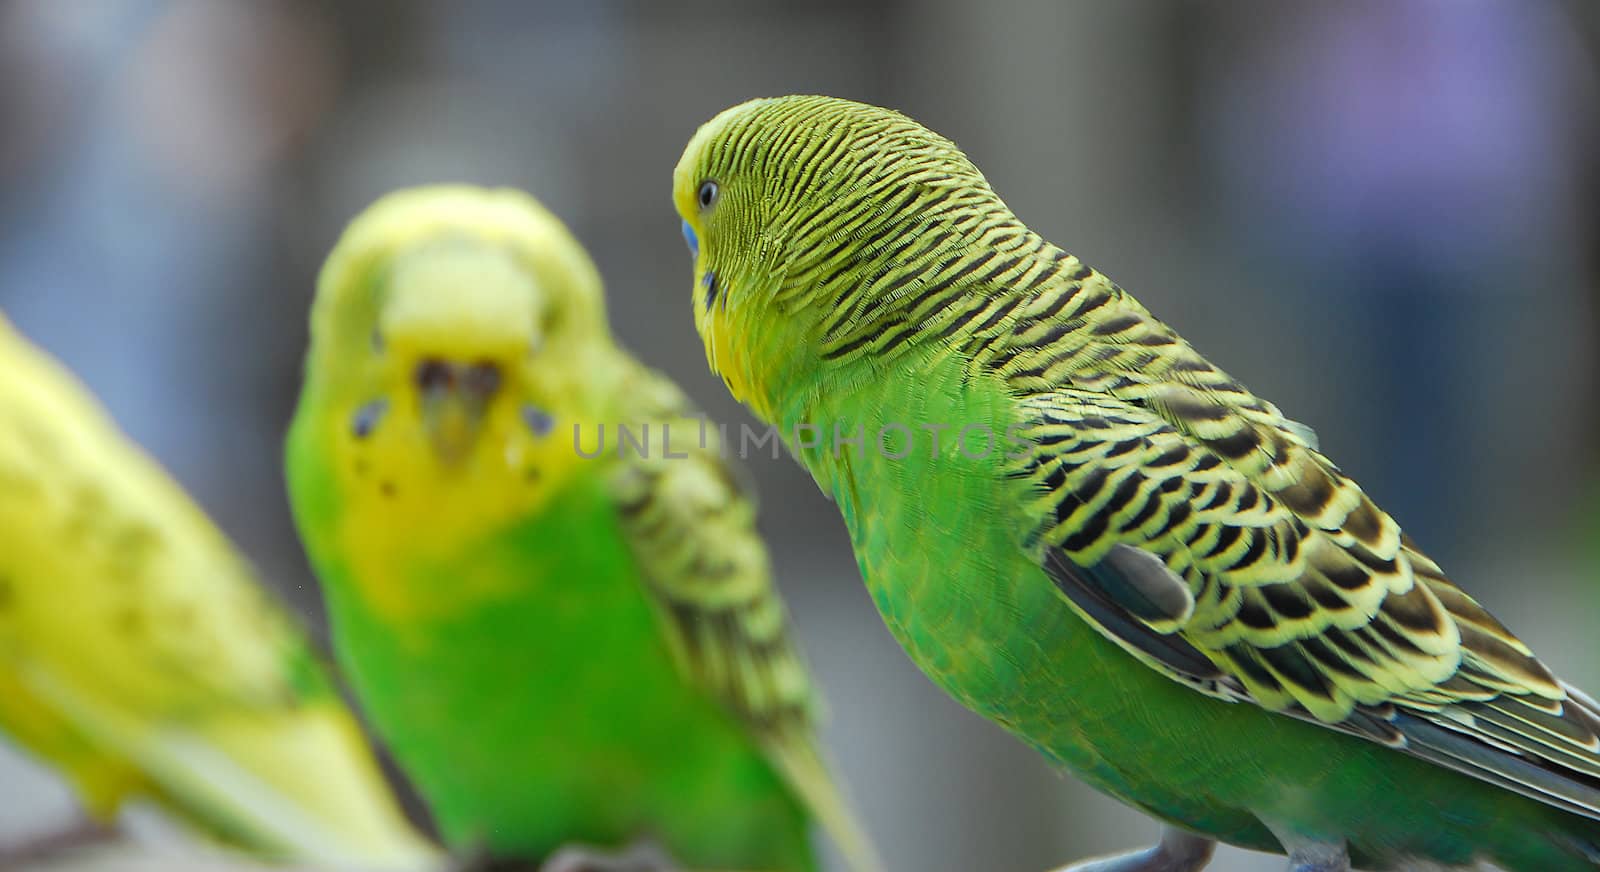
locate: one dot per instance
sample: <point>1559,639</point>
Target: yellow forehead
<point>500,247</point>
<point>686,177</point>
<point>412,215</point>
<point>462,298</point>
<point>417,217</point>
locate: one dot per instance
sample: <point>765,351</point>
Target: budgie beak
<point>454,399</point>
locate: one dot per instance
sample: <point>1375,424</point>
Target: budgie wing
<point>692,531</point>
<point>1216,545</point>
<point>128,614</point>
<point>122,589</point>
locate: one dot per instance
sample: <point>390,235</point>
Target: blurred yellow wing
<point>139,655</point>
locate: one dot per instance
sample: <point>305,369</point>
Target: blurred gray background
<point>1383,215</point>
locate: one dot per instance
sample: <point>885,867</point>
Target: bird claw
<point>1309,854</point>
<point>1178,851</point>
<point>639,857</point>
<point>1319,858</point>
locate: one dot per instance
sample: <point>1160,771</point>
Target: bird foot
<point>1177,851</point>
<point>1311,855</point>
<point>84,833</point>
<point>639,857</point>
<point>1319,857</point>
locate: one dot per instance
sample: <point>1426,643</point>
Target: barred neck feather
<point>848,235</point>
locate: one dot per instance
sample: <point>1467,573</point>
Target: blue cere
<point>689,237</point>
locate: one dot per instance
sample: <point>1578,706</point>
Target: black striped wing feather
<point>1303,596</point>
<point>691,528</point>
<point>692,531</point>
<point>1360,632</point>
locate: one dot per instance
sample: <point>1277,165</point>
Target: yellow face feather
<point>784,201</point>
<point>694,194</point>
<point>457,338</point>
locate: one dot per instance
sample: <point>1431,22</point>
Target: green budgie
<point>562,644</point>
<point>1115,550</point>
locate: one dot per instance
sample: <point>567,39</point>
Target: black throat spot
<point>710,283</point>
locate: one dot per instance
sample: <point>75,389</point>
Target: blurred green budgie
<point>139,656</point>
<point>562,644</point>
<point>1115,550</point>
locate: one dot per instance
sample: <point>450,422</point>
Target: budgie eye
<point>691,240</point>
<point>708,194</point>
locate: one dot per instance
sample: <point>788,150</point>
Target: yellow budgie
<point>140,658</point>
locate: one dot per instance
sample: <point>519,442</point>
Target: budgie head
<point>811,220</point>
<point>455,331</point>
